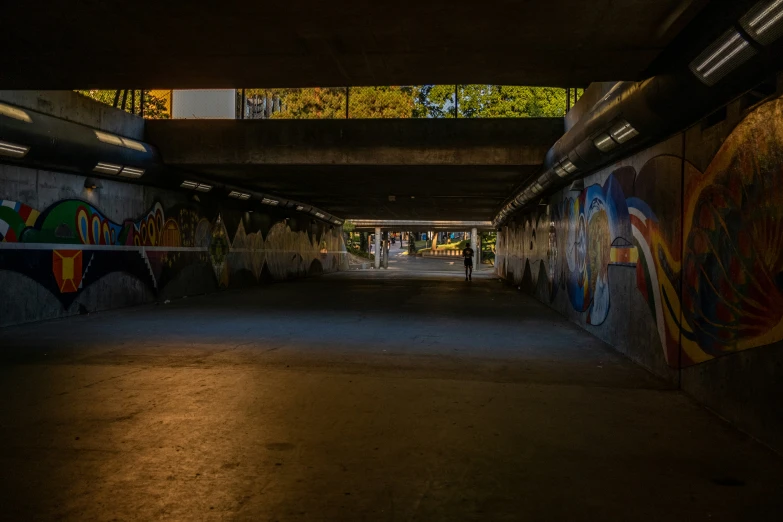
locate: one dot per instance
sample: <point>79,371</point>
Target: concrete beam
<point>512,142</point>
<point>74,107</point>
<point>420,226</point>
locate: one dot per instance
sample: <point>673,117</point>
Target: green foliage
<point>459,245</point>
<point>488,241</point>
<point>494,101</point>
<point>154,106</point>
<point>424,101</point>
<point>382,102</point>
<point>311,103</point>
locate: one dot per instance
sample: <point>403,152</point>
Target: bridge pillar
<point>377,248</point>
<point>385,249</point>
<point>473,238</point>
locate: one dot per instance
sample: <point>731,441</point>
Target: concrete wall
<point>65,249</point>
<point>424,141</point>
<point>675,257</point>
<point>72,106</point>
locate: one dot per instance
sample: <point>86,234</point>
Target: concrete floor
<point>365,396</point>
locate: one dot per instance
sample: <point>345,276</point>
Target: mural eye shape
<point>63,231</point>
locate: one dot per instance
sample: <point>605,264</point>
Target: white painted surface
<point>204,104</point>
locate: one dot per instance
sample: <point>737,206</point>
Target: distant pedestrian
<point>467,255</point>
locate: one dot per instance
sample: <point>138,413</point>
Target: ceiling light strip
<point>13,150</point>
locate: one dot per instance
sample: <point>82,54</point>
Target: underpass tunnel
<point>569,315</point>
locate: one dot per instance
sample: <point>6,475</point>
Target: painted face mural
<point>598,234</point>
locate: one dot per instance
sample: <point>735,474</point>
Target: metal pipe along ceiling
<point>49,142</point>
<point>633,115</point>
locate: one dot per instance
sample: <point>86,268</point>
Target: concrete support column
<point>473,237</point>
<point>477,262</point>
<point>435,240</point>
<point>385,248</point>
<point>377,248</point>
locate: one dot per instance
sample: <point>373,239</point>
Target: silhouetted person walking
<point>467,255</point>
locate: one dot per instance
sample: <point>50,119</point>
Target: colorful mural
<point>71,245</point>
<point>710,268</point>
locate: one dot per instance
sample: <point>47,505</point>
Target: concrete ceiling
<point>417,192</point>
<point>433,169</point>
<point>200,44</point>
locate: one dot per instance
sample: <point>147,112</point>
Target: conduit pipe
<point>638,114</point>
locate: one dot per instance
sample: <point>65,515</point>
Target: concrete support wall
<point>378,252</point>
<point>474,245</point>
<point>72,106</point>
<point>65,249</point>
<point>675,257</point>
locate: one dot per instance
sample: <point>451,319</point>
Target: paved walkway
<point>399,261</point>
<point>366,396</point>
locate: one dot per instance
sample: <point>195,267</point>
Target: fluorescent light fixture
<point>319,215</point>
<point>299,208</point>
<point>192,185</point>
<point>107,168</point>
<point>239,195</point>
<point>131,172</point>
<point>726,54</point>
<point>622,131</point>
<point>13,112</point>
<point>268,201</point>
<point>764,23</point>
<point>568,166</point>
<point>604,143</point>
<point>559,170</point>
<point>13,150</point>
<point>338,222</point>
<point>119,141</point>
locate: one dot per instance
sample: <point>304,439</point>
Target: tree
<point>155,107</point>
<point>329,102</point>
<point>382,102</point>
<point>492,101</point>
<point>311,103</point>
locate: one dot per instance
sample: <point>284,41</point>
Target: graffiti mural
<point>710,267</point>
<point>597,233</point>
<point>70,245</point>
